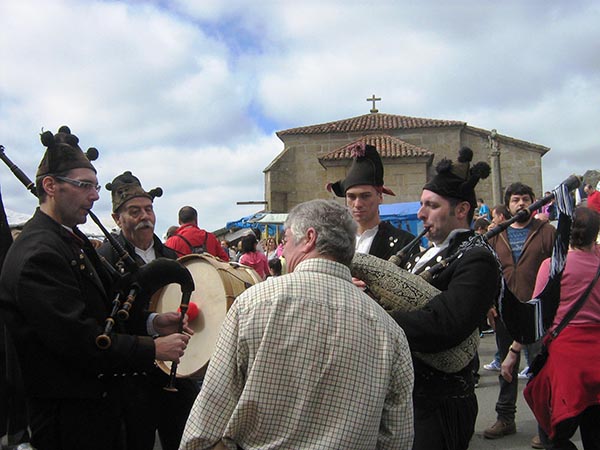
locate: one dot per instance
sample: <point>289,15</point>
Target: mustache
<point>144,224</point>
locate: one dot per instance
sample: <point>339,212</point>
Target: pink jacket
<point>258,261</point>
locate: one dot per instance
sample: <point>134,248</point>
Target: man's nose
<point>94,195</point>
<point>358,201</point>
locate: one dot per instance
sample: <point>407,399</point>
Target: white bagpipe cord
<point>551,292</point>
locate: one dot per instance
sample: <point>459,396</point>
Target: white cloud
<point>186,94</point>
<point>211,179</point>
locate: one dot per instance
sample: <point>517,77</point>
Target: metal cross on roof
<point>374,99</point>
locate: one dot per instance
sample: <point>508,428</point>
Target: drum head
<point>216,285</point>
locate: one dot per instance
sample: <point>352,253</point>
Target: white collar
<point>435,249</point>
<point>365,240</point>
<point>147,255</point>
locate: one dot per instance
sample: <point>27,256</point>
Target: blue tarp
<point>251,222</point>
<point>401,215</point>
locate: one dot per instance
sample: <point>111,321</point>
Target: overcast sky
<point>188,95</point>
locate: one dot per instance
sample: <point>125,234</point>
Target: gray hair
<point>336,230</point>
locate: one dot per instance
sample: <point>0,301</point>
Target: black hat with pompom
<point>127,186</point>
<point>63,153</point>
<point>458,179</point>
<point>366,169</point>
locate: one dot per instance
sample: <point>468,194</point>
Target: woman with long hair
<point>271,248</point>
<point>253,258</point>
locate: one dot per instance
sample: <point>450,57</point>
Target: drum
<point>217,284</point>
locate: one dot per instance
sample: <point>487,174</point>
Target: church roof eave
<point>371,122</point>
<point>541,149</point>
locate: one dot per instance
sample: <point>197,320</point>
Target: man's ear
<point>462,210</point>
<point>49,185</point>
<point>116,218</point>
<point>311,239</point>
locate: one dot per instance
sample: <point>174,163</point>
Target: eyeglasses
<point>86,185</point>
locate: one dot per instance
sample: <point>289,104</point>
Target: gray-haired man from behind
<point>307,360</point>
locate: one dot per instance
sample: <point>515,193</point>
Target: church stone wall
<point>517,163</point>
<point>296,175</point>
<point>521,165</point>
<point>404,177</point>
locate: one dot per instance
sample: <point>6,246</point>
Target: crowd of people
<point>305,358</point>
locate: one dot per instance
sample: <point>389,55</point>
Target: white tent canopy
<point>276,219</point>
<point>90,229</point>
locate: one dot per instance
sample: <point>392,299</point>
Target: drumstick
<point>185,301</point>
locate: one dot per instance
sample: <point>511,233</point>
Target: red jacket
<point>195,237</point>
<point>593,201</point>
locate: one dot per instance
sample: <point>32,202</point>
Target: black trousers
<point>588,423</point>
<point>149,408</point>
<point>75,424</point>
<point>446,424</point>
<point>13,413</point>
<point>506,406</point>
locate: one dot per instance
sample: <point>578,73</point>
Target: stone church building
<point>410,148</point>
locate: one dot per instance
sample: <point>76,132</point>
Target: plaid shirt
<point>306,361</point>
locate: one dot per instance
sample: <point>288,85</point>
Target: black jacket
<point>108,252</point>
<point>468,286</point>
<point>140,307</point>
<point>389,240</point>
<point>55,297</point>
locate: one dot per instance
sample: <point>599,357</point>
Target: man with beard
<point>521,249</point>
<point>54,297</point>
<point>149,406</point>
<point>445,403</point>
<point>363,188</point>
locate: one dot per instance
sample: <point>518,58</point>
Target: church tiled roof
<point>372,122</point>
<point>388,147</point>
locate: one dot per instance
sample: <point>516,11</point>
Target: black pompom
<point>156,192</point>
<point>64,129</point>
<point>444,166</point>
<point>47,138</point>
<point>465,155</point>
<point>92,153</point>
<point>481,170</point>
<point>72,140</point>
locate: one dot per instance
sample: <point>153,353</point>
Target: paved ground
<point>487,394</point>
